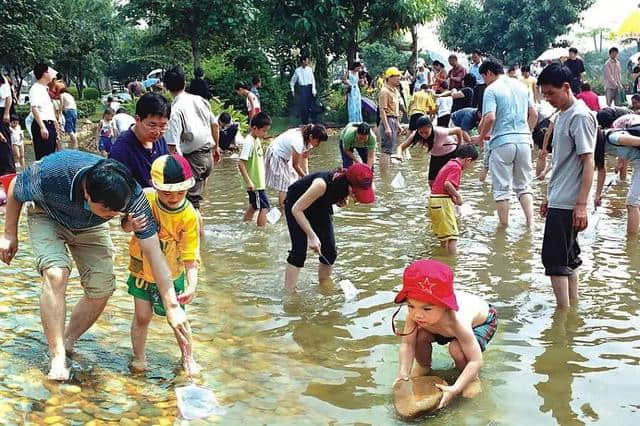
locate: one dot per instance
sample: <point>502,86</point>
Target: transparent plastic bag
<point>350,291</point>
<point>398,181</point>
<point>274,215</point>
<point>197,402</point>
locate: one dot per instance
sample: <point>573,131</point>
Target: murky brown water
<point>313,358</point>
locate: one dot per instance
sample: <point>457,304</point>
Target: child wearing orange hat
<point>438,314</point>
<point>179,236</point>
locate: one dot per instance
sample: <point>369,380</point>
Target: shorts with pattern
<point>141,289</point>
<point>388,143</point>
<point>70,118</point>
<point>279,172</point>
<point>483,332</point>
<point>443,217</point>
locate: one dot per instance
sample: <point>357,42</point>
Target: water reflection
<point>315,358</point>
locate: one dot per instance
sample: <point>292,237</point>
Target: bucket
<point>5,180</point>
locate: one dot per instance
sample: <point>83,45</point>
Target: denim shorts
<point>70,118</point>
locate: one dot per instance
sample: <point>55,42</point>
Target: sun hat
<point>171,173</point>
<point>428,281</point>
<point>392,72</point>
<point>360,179</point>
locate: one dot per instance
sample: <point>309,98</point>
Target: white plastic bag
<point>274,215</point>
<point>197,402</point>
<point>350,291</point>
<point>398,181</point>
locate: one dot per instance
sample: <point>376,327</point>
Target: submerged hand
<point>448,393</point>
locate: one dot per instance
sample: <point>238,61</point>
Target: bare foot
<point>191,366</point>
<point>138,366</point>
<point>59,370</point>
<point>473,389</point>
<point>419,371</point>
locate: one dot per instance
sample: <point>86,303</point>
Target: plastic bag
<point>398,181</point>
<point>197,402</point>
<point>350,291</point>
<point>274,215</point>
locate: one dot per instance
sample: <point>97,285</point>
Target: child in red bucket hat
<point>439,314</point>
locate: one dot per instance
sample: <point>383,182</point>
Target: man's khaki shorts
<point>91,249</point>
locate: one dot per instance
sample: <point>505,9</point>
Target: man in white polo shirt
<point>303,76</point>
<point>43,127</point>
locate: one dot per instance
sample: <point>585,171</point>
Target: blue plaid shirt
<point>55,184</point>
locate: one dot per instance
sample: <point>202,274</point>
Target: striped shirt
<point>55,184</point>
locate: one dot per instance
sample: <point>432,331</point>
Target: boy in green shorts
<point>180,242</point>
<point>252,168</point>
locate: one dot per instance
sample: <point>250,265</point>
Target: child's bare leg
<point>423,350</point>
<point>633,219</point>
<point>281,196</point>
<point>474,387</point>
<point>452,247</point>
<point>573,288</point>
<point>248,214</point>
<point>262,217</point>
<point>139,327</point>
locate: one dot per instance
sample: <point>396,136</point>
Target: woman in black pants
<point>309,212</point>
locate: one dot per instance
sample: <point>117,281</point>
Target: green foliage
<point>22,111</point>
<point>73,91</point>
<point>90,93</point>
<point>508,30</point>
<point>223,71</point>
<point>335,103</point>
<point>205,25</point>
<point>87,108</point>
<point>379,56</point>
<point>594,64</point>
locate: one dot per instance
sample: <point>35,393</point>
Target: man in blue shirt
<point>508,116</point>
<point>140,145</point>
<point>74,195</point>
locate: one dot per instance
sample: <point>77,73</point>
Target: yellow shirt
<point>530,83</point>
<point>389,101</point>
<point>179,239</point>
<point>422,102</point>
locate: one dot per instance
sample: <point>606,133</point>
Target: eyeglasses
<point>154,126</point>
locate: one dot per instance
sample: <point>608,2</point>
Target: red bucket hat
<point>360,179</point>
<point>428,281</point>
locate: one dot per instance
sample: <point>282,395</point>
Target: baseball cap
<point>360,179</point>
<point>428,281</point>
<point>171,173</point>
<point>391,72</point>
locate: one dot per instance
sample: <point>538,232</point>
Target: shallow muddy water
<point>314,358</point>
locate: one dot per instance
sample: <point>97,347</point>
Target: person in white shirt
<point>287,158</point>
<point>303,76</point>
<point>252,101</point>
<point>43,128</point>
<point>193,131</point>
<point>122,122</point>
<point>6,153</point>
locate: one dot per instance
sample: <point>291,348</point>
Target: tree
<point>26,34</point>
<point>508,30</point>
<point>86,38</point>
<point>208,26</point>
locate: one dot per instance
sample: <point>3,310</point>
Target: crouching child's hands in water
<point>448,393</point>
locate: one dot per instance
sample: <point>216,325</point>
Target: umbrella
<point>150,82</point>
<point>630,28</point>
<point>552,54</point>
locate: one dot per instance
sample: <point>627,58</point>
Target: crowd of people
<point>153,168</point>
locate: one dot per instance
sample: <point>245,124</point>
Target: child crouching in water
<point>444,194</point>
<point>180,241</point>
<point>439,314</point>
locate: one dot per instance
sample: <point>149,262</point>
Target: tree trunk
<point>320,73</point>
<point>352,52</point>
<point>195,49</point>
<point>414,50</point>
<point>80,84</point>
<point>595,43</point>
<point>600,49</point>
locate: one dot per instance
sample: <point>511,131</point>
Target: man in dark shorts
<point>574,138</point>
